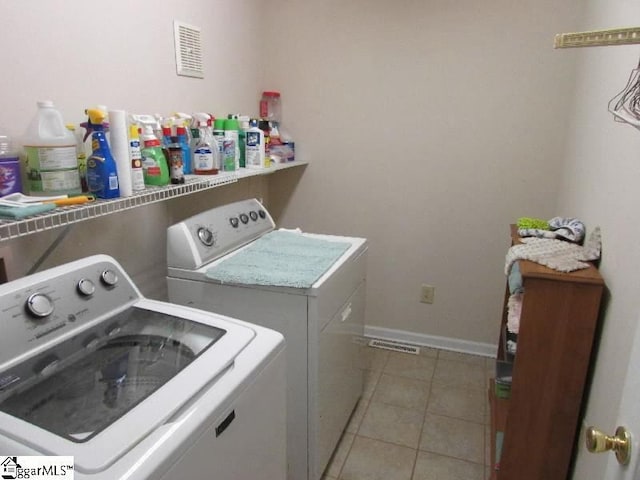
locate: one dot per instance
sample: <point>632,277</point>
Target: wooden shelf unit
<point>540,420</point>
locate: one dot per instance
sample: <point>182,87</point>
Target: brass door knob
<point>620,443</point>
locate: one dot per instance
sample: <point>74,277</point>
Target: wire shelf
<point>598,38</point>
<point>62,216</point>
<point>77,213</point>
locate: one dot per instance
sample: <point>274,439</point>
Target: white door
<point>629,417</point>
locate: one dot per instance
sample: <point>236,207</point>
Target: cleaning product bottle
<point>254,149</point>
<point>10,178</point>
<point>51,159</point>
<point>81,154</point>
<point>266,129</point>
<point>186,150</point>
<point>154,162</point>
<point>205,153</point>
<point>218,137</point>
<point>102,175</point>
<point>166,135</point>
<point>176,161</point>
<point>137,174</point>
<point>228,155</point>
<point>243,121</point>
<point>231,128</point>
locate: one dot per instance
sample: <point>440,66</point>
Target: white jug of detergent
<point>51,163</point>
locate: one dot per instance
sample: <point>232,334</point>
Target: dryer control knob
<point>244,218</point>
<point>109,277</point>
<point>262,214</point>
<point>206,236</point>
<point>234,222</point>
<point>86,287</point>
<point>253,215</point>
<point>40,305</point>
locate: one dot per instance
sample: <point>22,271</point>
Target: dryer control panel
<point>209,235</point>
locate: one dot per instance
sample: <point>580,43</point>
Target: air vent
<point>395,346</point>
<point>188,46</point>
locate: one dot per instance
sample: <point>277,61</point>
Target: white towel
<point>556,254</point>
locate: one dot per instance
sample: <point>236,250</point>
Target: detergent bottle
<point>154,162</point>
<point>205,153</point>
<point>51,158</point>
<point>102,176</point>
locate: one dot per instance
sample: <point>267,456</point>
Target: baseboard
<point>443,343</point>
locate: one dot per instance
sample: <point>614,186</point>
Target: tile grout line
<point>355,435</point>
<point>424,418</point>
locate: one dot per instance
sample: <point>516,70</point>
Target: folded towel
<point>280,258</point>
<point>570,229</point>
<point>515,279</point>
<point>556,254</point>
<point>18,213</point>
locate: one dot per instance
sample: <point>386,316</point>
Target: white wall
<point>121,54</point>
<point>600,184</point>
<point>430,125</point>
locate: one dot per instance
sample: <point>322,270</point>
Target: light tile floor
<point>421,417</point>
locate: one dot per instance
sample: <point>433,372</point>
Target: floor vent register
<point>395,346</point>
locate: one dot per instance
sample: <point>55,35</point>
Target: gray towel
<point>280,258</point>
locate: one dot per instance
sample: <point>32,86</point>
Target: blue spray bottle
<point>102,175</point>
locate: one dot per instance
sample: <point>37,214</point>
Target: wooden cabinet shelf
<point>540,421</point>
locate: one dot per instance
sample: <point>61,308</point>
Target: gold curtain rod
<point>598,38</point>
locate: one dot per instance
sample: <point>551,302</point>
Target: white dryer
<point>309,287</point>
<point>134,388</point>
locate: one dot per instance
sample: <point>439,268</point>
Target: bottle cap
<point>219,124</point>
<point>231,124</point>
<point>273,94</point>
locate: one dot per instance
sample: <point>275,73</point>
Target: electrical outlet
<point>427,293</point>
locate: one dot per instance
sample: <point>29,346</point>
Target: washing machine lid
<point>98,393</point>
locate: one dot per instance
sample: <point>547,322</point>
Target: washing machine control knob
<point>40,305</point>
<point>206,236</point>
<point>109,277</point>
<point>234,222</point>
<point>86,287</point>
<point>262,214</point>
<point>253,215</point>
<point>244,218</point>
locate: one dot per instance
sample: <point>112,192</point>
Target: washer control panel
<point>209,235</point>
<point>38,308</point>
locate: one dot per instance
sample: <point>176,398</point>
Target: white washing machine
<point>134,388</point>
<point>309,287</point>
